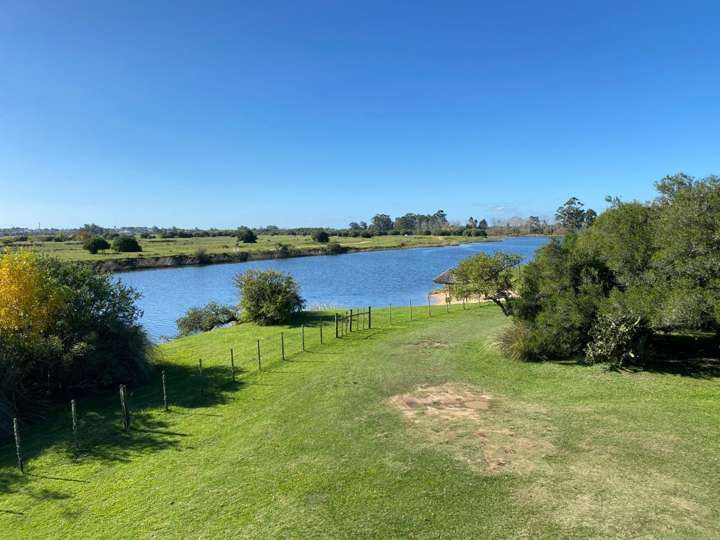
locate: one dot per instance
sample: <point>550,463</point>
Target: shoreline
<point>177,261</point>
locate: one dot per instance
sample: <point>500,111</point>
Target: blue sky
<point>320,113</point>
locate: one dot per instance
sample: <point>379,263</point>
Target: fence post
<point>258,356</point>
<point>18,450</point>
<point>337,329</point>
<point>351,320</point>
<point>447,303</point>
<point>411,310</point>
<point>321,328</point>
<point>463,302</point>
<point>124,408</point>
<point>73,414</point>
<point>429,313</point>
<point>302,336</point>
<point>232,364</point>
<point>164,390</point>
<point>282,345</point>
<point>370,317</point>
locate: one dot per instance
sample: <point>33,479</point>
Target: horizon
<point>215,115</point>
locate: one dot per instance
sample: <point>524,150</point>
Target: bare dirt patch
<point>486,432</point>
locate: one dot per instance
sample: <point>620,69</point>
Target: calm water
<point>375,278</point>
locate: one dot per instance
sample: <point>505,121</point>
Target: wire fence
<point>175,386</point>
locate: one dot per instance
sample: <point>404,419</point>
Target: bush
<point>268,297</point>
<point>617,338</point>
<point>205,318</point>
<point>202,256</point>
<point>334,248</point>
<point>514,342</point>
<point>246,236</point>
<point>126,244</point>
<point>95,244</point>
<point>321,236</point>
<point>71,331</point>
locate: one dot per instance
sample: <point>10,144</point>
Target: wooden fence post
<point>124,408</point>
<point>411,310</point>
<point>164,390</point>
<point>370,317</point>
<point>282,345</point>
<point>429,313</point>
<point>258,356</point>
<point>18,449</point>
<point>302,337</point>
<point>73,414</point>
<point>321,328</point>
<point>232,364</point>
<point>447,303</point>
<point>351,320</point>
<point>337,329</point>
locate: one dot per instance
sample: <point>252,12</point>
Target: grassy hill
<point>420,429</point>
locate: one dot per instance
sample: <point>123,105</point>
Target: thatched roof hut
<point>446,278</point>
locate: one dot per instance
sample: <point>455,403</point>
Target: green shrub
<point>202,256</point>
<point>617,338</point>
<point>205,318</point>
<point>334,248</point>
<point>95,244</point>
<point>126,244</point>
<point>268,297</point>
<point>246,236</point>
<point>94,341</point>
<point>321,236</point>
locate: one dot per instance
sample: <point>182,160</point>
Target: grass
<point>164,247</point>
<point>317,446</point>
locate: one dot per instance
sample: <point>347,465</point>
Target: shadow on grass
<point>696,356</point>
<point>101,436</point>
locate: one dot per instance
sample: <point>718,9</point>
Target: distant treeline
<point>380,224</point>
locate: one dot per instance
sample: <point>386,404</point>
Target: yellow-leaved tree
<point>29,298</point>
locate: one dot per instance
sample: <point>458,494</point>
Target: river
<point>374,278</point>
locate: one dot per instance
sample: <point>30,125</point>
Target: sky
<point>318,113</point>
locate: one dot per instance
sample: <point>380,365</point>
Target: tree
<point>573,217</point>
<point>321,236</point>
<point>382,223</point>
<point>534,224</point>
<point>205,318</point>
<point>95,244</point>
<point>246,236</point>
<point>488,276</point>
<point>483,224</point>
<point>126,244</point>
<point>268,297</point>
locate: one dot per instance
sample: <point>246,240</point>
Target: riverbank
<point>177,252</point>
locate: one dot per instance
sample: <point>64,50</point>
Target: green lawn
<point>163,247</point>
<point>418,430</point>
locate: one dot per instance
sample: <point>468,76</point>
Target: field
<point>419,429</point>
<point>164,247</point>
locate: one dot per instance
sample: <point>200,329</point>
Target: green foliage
<point>639,270</point>
<point>487,276</point>
<point>203,319</point>
<point>334,248</point>
<point>95,244</point>
<point>573,217</point>
<point>268,297</point>
<point>321,236</point>
<point>615,339</point>
<point>94,341</point>
<point>126,244</point>
<point>246,236</point>
<point>514,341</point>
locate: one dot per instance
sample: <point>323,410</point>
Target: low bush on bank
<point>206,318</point>
<point>126,244</point>
<point>65,330</point>
<point>95,244</point>
<point>268,297</point>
